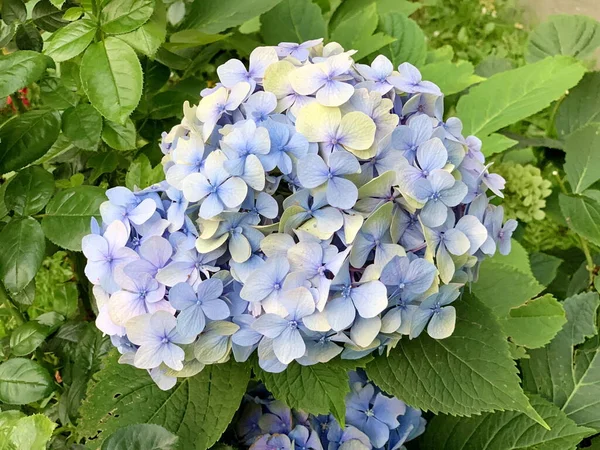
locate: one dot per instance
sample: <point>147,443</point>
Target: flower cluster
<point>312,207</point>
<point>373,420</point>
<point>526,191</point>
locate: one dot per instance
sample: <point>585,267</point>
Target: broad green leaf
<point>73,13</point>
<point>198,408</point>
<point>23,381</point>
<point>25,296</point>
<point>536,322</point>
<point>496,143</point>
<point>491,65</point>
<point>54,94</point>
<point>47,17</point>
<point>3,209</point>
<point>26,138</point>
<point>82,124</point>
<point>8,420</point>
<point>192,38</point>
<point>467,373</point>
<point>14,11</point>
<point>28,37</point>
<point>71,40</point>
<point>29,191</point>
<point>214,17</point>
<point>502,287</point>
<point>111,77</point>
<point>582,214</point>
<point>72,209</point>
<point>105,162</point>
<point>141,174</point>
<point>19,69</point>
<point>568,35</point>
<point>410,41</point>
<point>22,242</point>
<point>505,430</point>
<point>7,32</point>
<point>581,107</point>
<point>31,433</point>
<point>349,7</point>
<point>357,32</point>
<point>123,16</point>
<point>27,337</point>
<point>570,378</point>
<point>148,38</point>
<point>143,436</point>
<point>119,137</point>
<point>316,389</point>
<point>582,163</point>
<point>508,97</point>
<point>156,76</point>
<point>451,77</point>
<point>293,21</point>
<point>544,267</point>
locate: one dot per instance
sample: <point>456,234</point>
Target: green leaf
<point>105,162</point>
<point>29,38</point>
<point>111,77</point>
<point>192,38</point>
<point>451,77</point>
<point>119,137</point>
<point>570,378</point>
<point>214,17</point>
<point>293,21</point>
<point>467,373</point>
<point>27,337</point>
<point>198,408</point>
<point>349,7</point>
<point>357,32</point>
<point>27,295</point>
<point>544,267</point>
<point>47,17</point>
<point>410,41</point>
<point>581,107</point>
<point>23,381</point>
<point>26,138</point>
<point>70,40</point>
<point>148,38</point>
<point>141,174</point>
<point>496,143</point>
<point>568,35</point>
<point>582,163</point>
<point>7,32</point>
<point>316,389</point>
<point>72,209</point>
<point>73,13</point>
<point>123,16</point>
<point>54,94</point>
<point>582,215</point>
<point>19,69</point>
<point>508,97</point>
<point>143,436</point>
<point>536,322</point>
<point>14,11</point>
<point>82,124</point>
<point>22,242</point>
<point>29,191</point>
<point>31,433</point>
<point>504,431</point>
<point>501,286</point>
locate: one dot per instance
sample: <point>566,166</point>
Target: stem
<point>5,299</point>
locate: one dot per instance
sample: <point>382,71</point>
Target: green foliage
<point>198,409</point>
<point>567,35</point>
<point>29,191</point>
<point>409,45</point>
<point>23,381</point>
<point>141,174</point>
<point>505,430</point>
<point>582,213</point>
<point>581,107</point>
<point>19,69</point>
<point>468,373</point>
<point>582,163</point>
<point>316,389</point>
<point>143,436</point>
<point>293,21</point>
<point>24,433</point>
<point>569,378</point>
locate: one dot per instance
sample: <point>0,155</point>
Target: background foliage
<point>86,89</point>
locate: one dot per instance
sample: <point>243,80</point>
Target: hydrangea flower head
<point>313,208</point>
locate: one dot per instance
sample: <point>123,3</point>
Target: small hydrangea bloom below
<point>312,208</point>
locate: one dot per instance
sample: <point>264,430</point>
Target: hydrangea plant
<point>312,207</point>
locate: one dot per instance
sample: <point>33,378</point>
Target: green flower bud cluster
<point>525,192</point>
<point>546,234</point>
